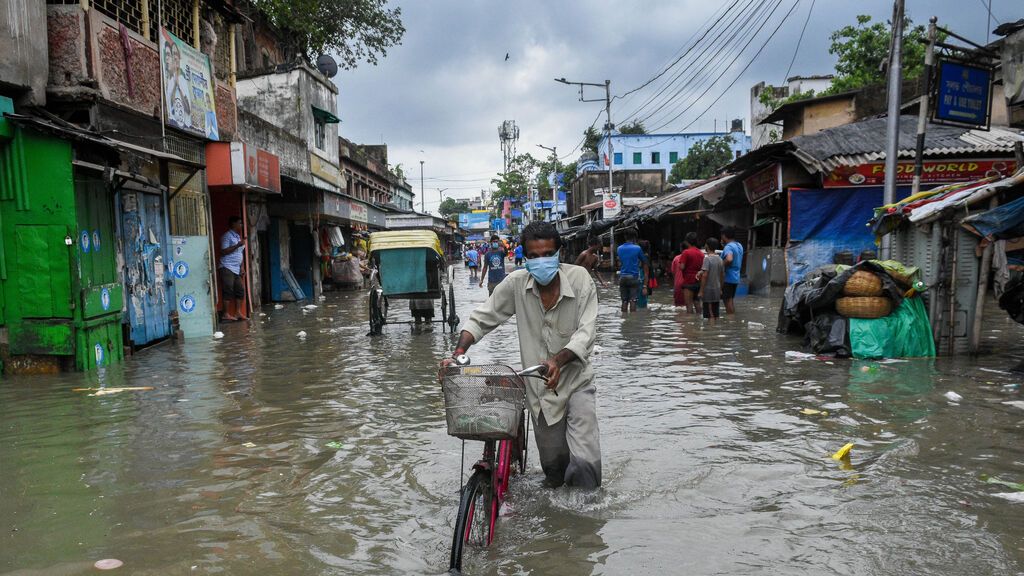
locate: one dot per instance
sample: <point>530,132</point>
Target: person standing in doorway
<point>591,258</point>
<point>232,251</point>
<point>732,257</point>
<point>494,265</point>
<point>712,275</point>
<point>631,260</point>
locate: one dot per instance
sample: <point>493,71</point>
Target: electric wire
<point>798,42</point>
<point>763,14</point>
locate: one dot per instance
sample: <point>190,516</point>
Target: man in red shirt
<point>684,273</point>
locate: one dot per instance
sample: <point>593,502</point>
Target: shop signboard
<point>358,212</point>
<point>932,172</point>
<point>611,205</point>
<point>189,97</point>
<point>963,94</point>
<point>763,183</point>
<point>499,224</point>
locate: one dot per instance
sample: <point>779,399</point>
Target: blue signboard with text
<point>963,94</point>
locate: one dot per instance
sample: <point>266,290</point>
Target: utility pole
<point>892,123</point>
<point>922,112</point>
<point>554,166</point>
<point>422,209</point>
<point>608,126</point>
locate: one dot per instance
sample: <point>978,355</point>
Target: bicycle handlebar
<point>538,371</point>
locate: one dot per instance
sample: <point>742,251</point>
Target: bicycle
<point>488,404</point>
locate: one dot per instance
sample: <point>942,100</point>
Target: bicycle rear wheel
<point>474,523</point>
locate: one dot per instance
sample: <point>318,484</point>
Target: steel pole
<point>922,113</point>
<point>422,197</point>
<point>608,128</point>
<point>893,117</point>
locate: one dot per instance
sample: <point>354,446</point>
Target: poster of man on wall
<point>188,87</point>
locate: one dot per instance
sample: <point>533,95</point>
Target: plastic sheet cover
<point>1001,222</point>
<point>824,222</point>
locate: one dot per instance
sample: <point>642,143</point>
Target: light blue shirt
<point>233,260</point>
<point>732,270</point>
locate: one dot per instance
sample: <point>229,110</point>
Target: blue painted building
<point>660,151</point>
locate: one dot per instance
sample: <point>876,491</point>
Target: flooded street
<point>263,453</point>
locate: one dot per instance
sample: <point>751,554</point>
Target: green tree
<point>703,159</point>
<point>862,49</point>
<point>516,182</point>
<point>634,127</point>
<point>451,207</point>
<point>591,138</point>
<point>355,30</point>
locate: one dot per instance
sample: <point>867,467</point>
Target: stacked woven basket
<point>863,297</point>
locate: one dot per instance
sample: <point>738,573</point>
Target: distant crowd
<point>705,275</point>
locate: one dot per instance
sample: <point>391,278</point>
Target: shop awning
<point>325,116</point>
<point>659,207</point>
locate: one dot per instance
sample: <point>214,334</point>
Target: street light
<point>608,130</point>
<point>554,166</point>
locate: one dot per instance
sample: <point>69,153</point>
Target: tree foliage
<point>451,207</point>
<point>703,159</point>
<point>634,127</point>
<point>862,49</point>
<point>356,30</point>
<point>517,181</point>
<point>591,138</point>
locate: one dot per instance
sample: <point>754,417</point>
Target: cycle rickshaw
<point>410,265</point>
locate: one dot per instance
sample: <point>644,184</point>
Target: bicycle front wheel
<point>474,523</point>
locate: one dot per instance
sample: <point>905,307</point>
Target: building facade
<point>662,151</point>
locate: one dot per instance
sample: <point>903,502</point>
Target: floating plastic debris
<point>278,306</point>
<point>310,307</point>
<point>109,391</point>
<point>218,335</point>
<point>953,396</point>
<point>249,445</point>
<point>755,326</point>
<point>992,480</point>
<point>108,564</point>
<point>301,334</point>
<point>843,452</point>
<point>813,412</point>
<point>334,445</point>
<point>1015,403</point>
<point>795,355</point>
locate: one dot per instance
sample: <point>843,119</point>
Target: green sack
<point>905,333</point>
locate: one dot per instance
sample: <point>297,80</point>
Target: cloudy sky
<point>440,96</point>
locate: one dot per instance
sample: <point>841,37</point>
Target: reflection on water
<point>264,453</point>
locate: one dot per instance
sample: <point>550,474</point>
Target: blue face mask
<point>543,269</point>
<point>494,245</point>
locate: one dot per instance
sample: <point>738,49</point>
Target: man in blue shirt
<point>732,256</point>
<point>518,252</point>
<point>472,258</point>
<point>631,257</point>
<point>494,265</point>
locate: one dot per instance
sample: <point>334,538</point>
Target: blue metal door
<point>145,258</point>
<point>193,291</point>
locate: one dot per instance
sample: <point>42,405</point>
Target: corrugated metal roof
<point>864,141</point>
<point>658,207</point>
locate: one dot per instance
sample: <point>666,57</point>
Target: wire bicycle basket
<point>483,402</point>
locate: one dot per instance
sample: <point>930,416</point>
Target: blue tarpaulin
<point>823,222</point>
<point>1006,221</point>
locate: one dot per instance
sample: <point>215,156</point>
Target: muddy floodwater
<point>263,453</point>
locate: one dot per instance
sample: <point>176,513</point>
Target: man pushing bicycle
<point>555,306</point>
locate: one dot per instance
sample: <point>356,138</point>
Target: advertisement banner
<point>499,224</point>
<point>189,98</point>
<point>932,172</point>
<point>611,205</point>
<point>763,183</point>
<point>475,220</point>
<point>963,94</point>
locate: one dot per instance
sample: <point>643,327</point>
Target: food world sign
<point>932,172</point>
<point>763,183</point>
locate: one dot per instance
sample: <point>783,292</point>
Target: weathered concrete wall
<point>66,41</point>
<point>133,81</point>
<point>291,149</point>
<point>286,100</point>
<point>23,50</point>
<point>227,111</point>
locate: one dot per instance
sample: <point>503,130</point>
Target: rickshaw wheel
<point>453,318</point>
<point>376,317</point>
<point>444,308</point>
